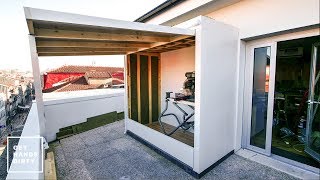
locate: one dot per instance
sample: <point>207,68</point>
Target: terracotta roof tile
<point>7,82</point>
<point>80,84</point>
<point>76,83</point>
<point>64,83</point>
<point>98,74</point>
<point>69,79</point>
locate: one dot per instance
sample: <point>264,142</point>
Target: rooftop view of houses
<point>16,93</point>
<point>15,87</point>
<point>74,78</point>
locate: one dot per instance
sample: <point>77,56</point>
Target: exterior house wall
<point>185,9</point>
<point>99,81</point>
<point>67,111</point>
<point>255,17</point>
<point>3,116</point>
<point>3,89</point>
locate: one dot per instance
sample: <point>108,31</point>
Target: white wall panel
<point>175,148</point>
<point>216,89</point>
<point>174,65</point>
<point>66,112</point>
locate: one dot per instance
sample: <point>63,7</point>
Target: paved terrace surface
<point>107,153</point>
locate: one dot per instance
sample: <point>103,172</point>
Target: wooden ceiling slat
<point>159,44</point>
<point>182,43</point>
<point>73,50</point>
<point>81,47</point>
<point>98,36</point>
<point>82,54</point>
<point>97,44</point>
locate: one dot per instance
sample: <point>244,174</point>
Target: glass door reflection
<point>260,89</point>
<point>313,117</point>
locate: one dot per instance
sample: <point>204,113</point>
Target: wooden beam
<point>159,85</point>
<point>50,168</point>
<point>174,39</point>
<point>30,27</point>
<point>37,84</point>
<point>96,44</point>
<point>138,88</point>
<point>150,89</point>
<point>82,54</point>
<point>97,36</point>
<point>75,50</point>
<point>128,70</point>
<point>174,45</point>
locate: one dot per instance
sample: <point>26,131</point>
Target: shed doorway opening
<point>156,98</point>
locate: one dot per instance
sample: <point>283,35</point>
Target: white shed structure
<point>156,59</point>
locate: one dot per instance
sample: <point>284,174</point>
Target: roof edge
<point>158,10</point>
<point>75,20</point>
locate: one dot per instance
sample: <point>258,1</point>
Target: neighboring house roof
<point>79,84</point>
<point>7,82</point>
<point>76,84</point>
<point>79,81</point>
<point>84,69</point>
<point>118,75</point>
<point>158,10</point>
<point>66,80</point>
<point>94,74</point>
<point>116,81</point>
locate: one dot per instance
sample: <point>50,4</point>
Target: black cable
<point>184,125</point>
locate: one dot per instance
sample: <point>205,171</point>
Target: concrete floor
<point>107,153</point>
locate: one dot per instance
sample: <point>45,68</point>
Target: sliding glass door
<point>281,115</point>
<point>260,71</point>
<point>312,146</point>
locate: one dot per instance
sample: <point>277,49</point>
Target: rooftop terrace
<point>107,153</point>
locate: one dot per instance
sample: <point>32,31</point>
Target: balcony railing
<point>31,129</point>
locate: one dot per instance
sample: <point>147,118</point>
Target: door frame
<point>249,65</point>
<point>246,120</point>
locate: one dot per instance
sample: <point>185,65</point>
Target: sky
<point>14,44</point>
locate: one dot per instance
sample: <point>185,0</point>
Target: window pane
<point>260,96</point>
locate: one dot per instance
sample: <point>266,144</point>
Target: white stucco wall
<point>252,17</point>
<point>260,17</point>
<point>174,65</point>
<point>75,109</point>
